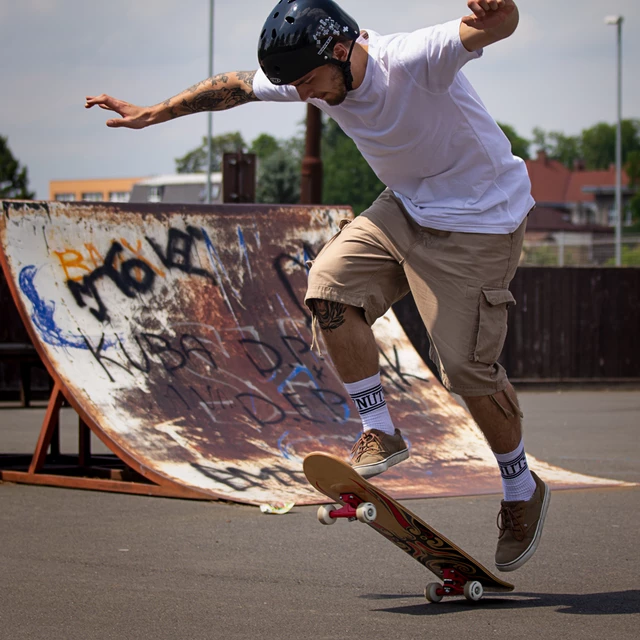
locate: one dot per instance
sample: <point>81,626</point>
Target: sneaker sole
<point>531,549</point>
<point>376,468</point>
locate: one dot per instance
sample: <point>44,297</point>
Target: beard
<point>340,87</point>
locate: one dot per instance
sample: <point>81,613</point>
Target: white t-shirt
<point>427,135</point>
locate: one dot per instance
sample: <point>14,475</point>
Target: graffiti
<point>279,267</point>
<point>133,276</point>
<point>173,356</point>
<point>43,312</point>
<point>395,367</point>
<point>300,394</point>
<point>242,480</point>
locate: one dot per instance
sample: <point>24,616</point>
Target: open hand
<point>487,14</point>
<point>133,117</point>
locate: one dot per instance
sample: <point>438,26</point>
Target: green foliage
<point>264,145</point>
<point>595,146</point>
<point>348,179</point>
<point>558,146</point>
<point>519,145</point>
<point>13,179</point>
<point>195,161</point>
<point>278,170</point>
<point>630,256</point>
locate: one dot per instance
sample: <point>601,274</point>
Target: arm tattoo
<point>330,314</point>
<point>217,96</point>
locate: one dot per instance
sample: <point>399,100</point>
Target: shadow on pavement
<point>612,603</point>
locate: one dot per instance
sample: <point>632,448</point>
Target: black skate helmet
<point>299,35</point>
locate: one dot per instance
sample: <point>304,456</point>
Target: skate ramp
<point>180,335</point>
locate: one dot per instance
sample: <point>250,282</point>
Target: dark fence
<point>569,325</point>
<point>18,358</point>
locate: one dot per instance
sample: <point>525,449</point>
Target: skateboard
<point>360,500</point>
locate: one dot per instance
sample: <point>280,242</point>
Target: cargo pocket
<point>342,224</point>
<point>492,324</point>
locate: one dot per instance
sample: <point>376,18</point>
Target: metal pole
<point>619,152</point>
<point>209,113</point>
<point>311,179</point>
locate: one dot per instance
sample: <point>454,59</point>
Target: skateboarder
<point>449,227</point>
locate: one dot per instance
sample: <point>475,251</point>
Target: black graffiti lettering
<point>88,288</point>
<point>231,477</point>
<point>332,401</point>
<point>146,367</point>
<point>279,266</point>
<point>396,367</point>
<point>135,275</point>
<point>240,480</point>
<point>264,370</point>
<point>176,394</point>
<point>200,351</point>
<point>126,282</point>
<point>179,251</point>
<point>161,347</point>
<point>281,475</point>
<point>318,372</point>
<point>298,406</point>
<point>96,352</point>
<point>257,406</point>
<point>220,398</point>
<point>303,347</point>
<point>130,271</point>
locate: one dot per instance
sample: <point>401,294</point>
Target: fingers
<point>481,7</point>
<point>114,124</point>
<point>105,102</point>
<point>93,100</point>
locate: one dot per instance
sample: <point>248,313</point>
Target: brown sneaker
<point>375,451</point>
<point>520,523</point>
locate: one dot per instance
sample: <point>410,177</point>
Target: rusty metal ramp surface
<point>180,335</point>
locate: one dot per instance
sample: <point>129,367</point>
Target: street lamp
<point>617,21</point>
<point>209,113</point>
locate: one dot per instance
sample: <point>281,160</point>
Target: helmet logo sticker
<point>325,45</point>
<point>327,27</point>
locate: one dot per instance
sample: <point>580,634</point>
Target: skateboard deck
<point>459,572</point>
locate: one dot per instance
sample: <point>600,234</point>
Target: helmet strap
<point>345,66</point>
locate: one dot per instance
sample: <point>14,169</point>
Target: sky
<point>557,72</point>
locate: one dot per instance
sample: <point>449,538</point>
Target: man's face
<point>323,83</point>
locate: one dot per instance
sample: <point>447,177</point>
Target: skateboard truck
<point>353,509</point>
<point>453,584</point>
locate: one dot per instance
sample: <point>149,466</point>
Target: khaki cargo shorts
<point>459,282</point>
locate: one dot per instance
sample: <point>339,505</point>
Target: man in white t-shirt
<point>449,227</point>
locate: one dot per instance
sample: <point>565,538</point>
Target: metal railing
<point>599,253</point>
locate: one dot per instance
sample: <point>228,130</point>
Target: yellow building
<point>98,190</point>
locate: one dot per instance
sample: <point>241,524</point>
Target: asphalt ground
<point>82,565</point>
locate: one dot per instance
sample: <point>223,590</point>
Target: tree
<point>264,146</point>
<point>348,179</point>
<point>13,179</point>
<point>558,146</point>
<point>279,167</point>
<point>519,145</point>
<point>195,161</point>
<point>632,170</point>
<point>595,146</point>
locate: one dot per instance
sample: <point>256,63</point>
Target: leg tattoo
<point>330,314</point>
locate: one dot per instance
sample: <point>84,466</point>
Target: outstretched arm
<point>223,91</point>
<point>490,21</point>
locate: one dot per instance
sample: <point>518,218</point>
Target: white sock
<point>517,481</point>
<point>369,399</point>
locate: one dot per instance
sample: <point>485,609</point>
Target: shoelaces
<point>510,518</point>
<point>368,442</point>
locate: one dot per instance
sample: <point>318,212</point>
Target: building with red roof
<point>575,208</point>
